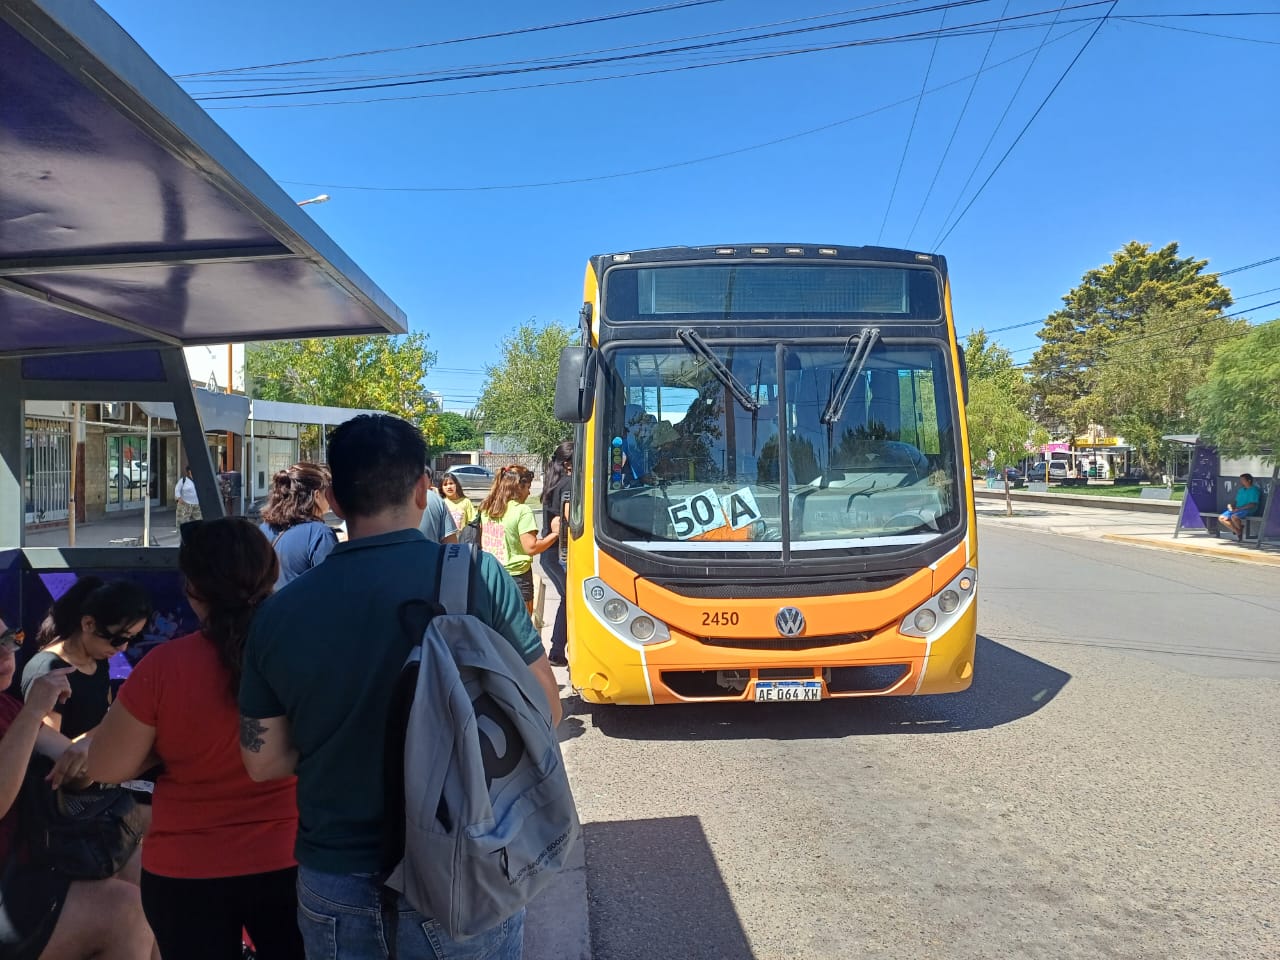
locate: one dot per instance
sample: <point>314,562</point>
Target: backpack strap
<point>456,562</point>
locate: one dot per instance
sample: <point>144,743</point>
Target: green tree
<point>372,373</point>
<point>460,433</point>
<point>998,423</point>
<point>1239,403</point>
<point>1112,302</point>
<point>987,360</point>
<point>1142,383</point>
<point>518,396</point>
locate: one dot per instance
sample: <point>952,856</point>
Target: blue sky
<point>1159,132</point>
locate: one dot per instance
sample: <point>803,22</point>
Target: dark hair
<point>110,603</point>
<point>441,478</point>
<point>232,567</point>
<point>556,471</point>
<point>1247,476</point>
<point>504,489</point>
<point>293,495</point>
<point>375,460</point>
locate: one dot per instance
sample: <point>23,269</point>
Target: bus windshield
<point>692,466</point>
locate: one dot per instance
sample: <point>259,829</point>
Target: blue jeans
<point>340,917</point>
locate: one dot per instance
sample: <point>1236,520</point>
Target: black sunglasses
<point>118,639</point>
<point>12,639</point>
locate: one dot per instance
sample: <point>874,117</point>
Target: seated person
<point>1246,502</point>
<point>42,912</point>
<point>639,455</point>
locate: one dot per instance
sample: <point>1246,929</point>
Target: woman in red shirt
<point>219,855</point>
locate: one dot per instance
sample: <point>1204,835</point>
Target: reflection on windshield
<point>692,468</point>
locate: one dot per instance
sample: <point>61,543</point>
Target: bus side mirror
<point>964,374</point>
<point>575,384</point>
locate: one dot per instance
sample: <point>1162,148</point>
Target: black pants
<point>202,919</point>
<point>554,571</point>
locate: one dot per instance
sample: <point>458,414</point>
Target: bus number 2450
<point>719,618</point>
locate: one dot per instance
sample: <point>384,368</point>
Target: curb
<point>556,923</point>
<point>1168,508</point>
<point>1265,559</point>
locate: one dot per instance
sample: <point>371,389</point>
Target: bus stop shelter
<point>132,225</point>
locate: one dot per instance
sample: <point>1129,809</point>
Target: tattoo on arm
<point>251,731</point>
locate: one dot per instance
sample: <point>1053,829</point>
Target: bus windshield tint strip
<point>769,291</point>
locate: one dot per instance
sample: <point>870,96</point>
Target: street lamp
<point>322,198</point>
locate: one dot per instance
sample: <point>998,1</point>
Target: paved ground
<point>1106,788</point>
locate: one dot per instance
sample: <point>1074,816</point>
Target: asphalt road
<point>1109,787</point>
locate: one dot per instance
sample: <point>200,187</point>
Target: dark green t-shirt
<point>325,651</point>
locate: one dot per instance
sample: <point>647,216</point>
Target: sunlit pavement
<point>1105,789</point>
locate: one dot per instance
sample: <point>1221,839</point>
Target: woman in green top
<point>509,530</point>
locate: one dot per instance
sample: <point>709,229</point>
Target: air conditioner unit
<point>113,411</point>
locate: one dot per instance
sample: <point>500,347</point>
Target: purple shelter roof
<point>128,218</point>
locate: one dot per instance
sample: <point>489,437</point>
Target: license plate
<point>774,691</point>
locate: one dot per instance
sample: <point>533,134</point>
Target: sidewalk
<point>1109,521</point>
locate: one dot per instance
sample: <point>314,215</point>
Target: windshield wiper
<point>852,370</point>
<point>695,343</point>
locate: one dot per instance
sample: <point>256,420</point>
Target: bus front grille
<point>784,643</point>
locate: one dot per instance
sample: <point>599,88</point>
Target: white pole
<point>75,450</point>
<point>146,491</point>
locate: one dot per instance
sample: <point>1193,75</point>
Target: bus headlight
<point>642,628</point>
<point>939,611</point>
<point>621,617</point>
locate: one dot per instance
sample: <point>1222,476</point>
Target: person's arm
<point>266,748</point>
<point>541,669</point>
<point>20,739</point>
<point>496,600</point>
<point>45,667</point>
<point>121,747</point>
<point>534,544</point>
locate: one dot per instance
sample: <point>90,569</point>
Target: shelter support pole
<point>73,505</point>
<point>146,490</point>
<point>194,446</point>
<point>12,451</point>
<point>1268,508</point>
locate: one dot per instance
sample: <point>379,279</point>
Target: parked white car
<point>134,474</point>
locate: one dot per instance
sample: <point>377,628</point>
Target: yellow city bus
<point>770,498</point>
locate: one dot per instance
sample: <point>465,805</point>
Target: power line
<point>1162,333</point>
<point>637,46</point>
<point>1248,266</point>
<point>456,40</point>
<point>574,64</point>
<point>915,115</point>
<point>1204,33</point>
<point>956,128</point>
<point>676,164</point>
<point>292,105</point>
<point>1027,126</point>
<point>937,240</point>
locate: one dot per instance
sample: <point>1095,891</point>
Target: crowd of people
<point>250,750</point>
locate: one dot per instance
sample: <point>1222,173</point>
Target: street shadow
<point>656,891</point>
<point>1007,686</point>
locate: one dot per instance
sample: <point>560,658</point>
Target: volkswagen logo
<point>790,622</point>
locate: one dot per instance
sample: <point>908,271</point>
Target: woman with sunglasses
<point>43,913</point>
<point>509,531</point>
<point>84,629</point>
<point>219,855</point>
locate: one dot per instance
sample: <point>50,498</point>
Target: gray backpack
<point>488,817</point>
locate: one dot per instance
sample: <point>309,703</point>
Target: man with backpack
<point>320,667</point>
